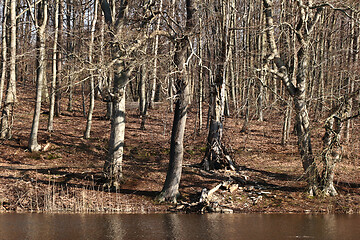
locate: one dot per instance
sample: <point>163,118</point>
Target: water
<point>179,226</point>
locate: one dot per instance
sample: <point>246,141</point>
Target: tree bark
<point>170,191</point>
<point>215,156</point>
<point>4,50</point>
<point>113,164</point>
<point>58,90</point>
<point>42,17</point>
<point>298,92</point>
<point>50,126</point>
<point>8,110</point>
<point>142,95</point>
<point>156,50</point>
<point>92,87</point>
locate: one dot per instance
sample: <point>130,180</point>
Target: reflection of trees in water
<point>179,226</point>
<point>115,227</point>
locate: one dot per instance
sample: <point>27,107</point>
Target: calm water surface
<point>178,226</point>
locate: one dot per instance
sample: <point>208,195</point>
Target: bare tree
<point>170,190</point>
<point>54,68</point>
<point>40,24</point>
<point>92,81</point>
<point>8,110</point>
<point>123,52</point>
<point>303,30</point>
<point>216,156</point>
<point>4,50</point>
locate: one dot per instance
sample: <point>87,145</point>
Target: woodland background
<point>264,94</point>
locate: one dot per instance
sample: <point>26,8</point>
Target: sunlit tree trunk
<point>50,126</point>
<point>8,110</point>
<point>59,61</point>
<point>155,71</point>
<point>92,85</point>
<point>298,91</point>
<point>4,50</point>
<point>42,17</point>
<point>142,95</point>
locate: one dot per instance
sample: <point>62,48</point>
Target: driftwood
<point>207,201</point>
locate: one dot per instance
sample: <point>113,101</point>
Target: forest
<point>195,106</point>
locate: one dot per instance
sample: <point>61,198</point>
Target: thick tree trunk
<point>330,154</point>
<point>303,121</point>
<point>113,164</point>
<point>170,191</point>
<point>215,156</point>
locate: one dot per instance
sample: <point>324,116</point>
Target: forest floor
<point>67,174</point>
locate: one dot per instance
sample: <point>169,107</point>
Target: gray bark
<point>7,113</point>
<point>92,87</point>
<point>42,17</point>
<point>4,50</point>
<point>215,156</point>
<point>50,126</point>
<point>142,95</point>
<point>156,50</point>
<point>298,92</point>
<point>170,191</point>
<point>58,90</point>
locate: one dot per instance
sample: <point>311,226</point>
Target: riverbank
<point>67,175</point>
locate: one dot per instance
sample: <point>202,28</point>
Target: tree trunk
<point>113,164</point>
<point>200,85</point>
<point>142,95</point>
<point>287,123</point>
<point>41,71</point>
<point>50,126</point>
<point>170,191</point>
<point>215,156</point>
<point>156,50</point>
<point>298,92</point>
<point>4,50</point>
<point>58,90</point>
<point>8,111</point>
<point>92,87</point>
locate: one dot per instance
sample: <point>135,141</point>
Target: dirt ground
<point>67,176</point>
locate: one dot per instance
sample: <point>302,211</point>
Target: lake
<point>179,226</point>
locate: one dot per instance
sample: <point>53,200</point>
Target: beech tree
<point>8,107</point>
<point>40,22</point>
<point>309,16</point>
<point>124,53</point>
<point>92,80</point>
<point>170,191</point>
<point>4,49</point>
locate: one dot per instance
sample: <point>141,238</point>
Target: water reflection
<point>178,226</point>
